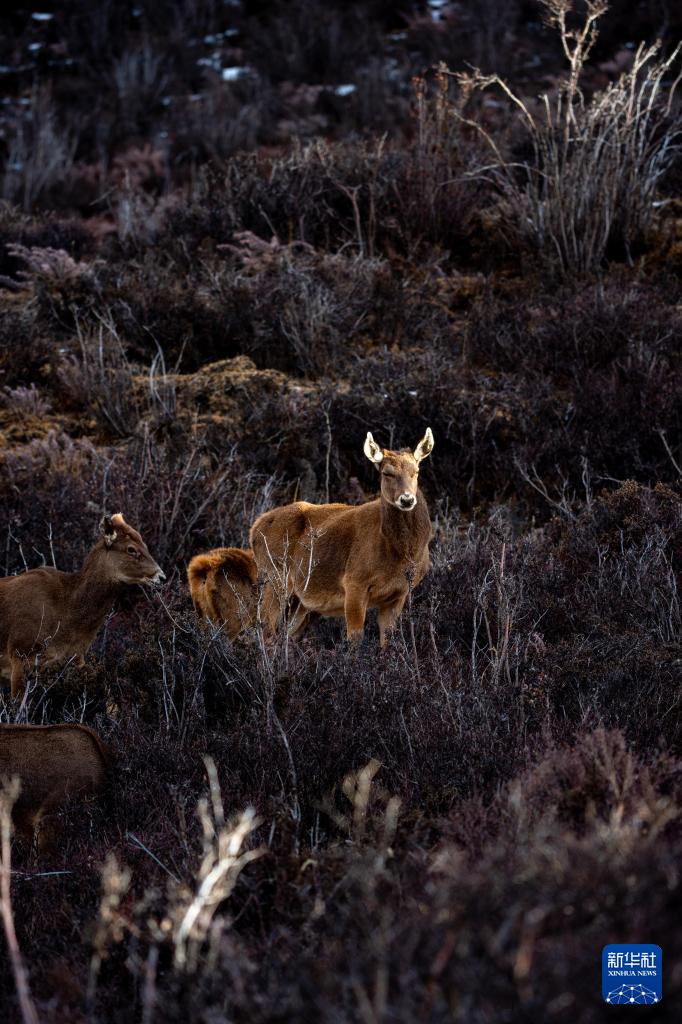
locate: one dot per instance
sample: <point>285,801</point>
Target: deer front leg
<point>270,608</point>
<point>298,620</point>
<point>388,616</point>
<point>355,610</point>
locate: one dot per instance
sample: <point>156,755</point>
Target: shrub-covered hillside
<point>234,237</point>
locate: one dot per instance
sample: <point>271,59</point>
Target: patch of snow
<point>5,69</point>
<point>218,37</point>
<point>232,74</point>
<point>34,47</point>
<point>42,16</point>
<point>435,8</point>
<point>210,62</point>
<point>346,89</point>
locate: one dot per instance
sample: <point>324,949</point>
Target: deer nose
<point>160,576</point>
<point>407,501</point>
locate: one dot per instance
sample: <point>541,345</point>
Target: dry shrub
<point>101,378</point>
<point>25,349</point>
<point>589,190</point>
<point>306,310</point>
<point>40,153</point>
<point>374,197</point>
<point>24,401</point>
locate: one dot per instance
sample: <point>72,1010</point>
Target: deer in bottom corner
<point>56,615</point>
<point>336,560</point>
<point>53,763</point>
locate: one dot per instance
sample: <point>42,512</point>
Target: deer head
<point>128,558</point>
<point>399,470</point>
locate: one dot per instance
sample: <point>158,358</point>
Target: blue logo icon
<point>632,974</point>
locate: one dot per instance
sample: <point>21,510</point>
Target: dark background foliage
<point>233,238</point>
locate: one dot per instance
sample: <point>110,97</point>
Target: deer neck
<point>406,533</point>
<point>93,591</point>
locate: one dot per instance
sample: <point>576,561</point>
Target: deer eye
<point>132,550</point>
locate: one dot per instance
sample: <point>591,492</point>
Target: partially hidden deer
<point>340,560</point>
<point>53,763</point>
<point>54,616</point>
<point>222,583</point>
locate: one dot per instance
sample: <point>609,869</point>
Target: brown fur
<point>56,615</point>
<point>222,583</point>
<point>339,560</point>
<point>53,763</point>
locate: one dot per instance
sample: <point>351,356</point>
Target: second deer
<point>56,615</point>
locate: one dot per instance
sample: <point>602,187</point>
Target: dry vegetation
<point>212,284</point>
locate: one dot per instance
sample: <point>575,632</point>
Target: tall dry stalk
<point>223,860</point>
<point>9,793</point>
<point>596,164</point>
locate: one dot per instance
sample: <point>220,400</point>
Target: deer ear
<point>425,446</point>
<point>107,530</point>
<point>372,449</point>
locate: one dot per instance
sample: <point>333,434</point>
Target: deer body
<point>339,560</point>
<point>53,763</point>
<point>222,584</point>
<point>56,615</point>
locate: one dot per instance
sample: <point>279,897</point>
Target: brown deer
<point>56,615</point>
<point>53,763</point>
<point>222,584</point>
<point>340,560</point>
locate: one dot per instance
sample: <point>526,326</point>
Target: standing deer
<point>340,560</point>
<point>57,614</point>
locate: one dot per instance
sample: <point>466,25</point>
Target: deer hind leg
<point>270,608</point>
<point>388,616</point>
<point>22,819</point>
<point>46,827</point>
